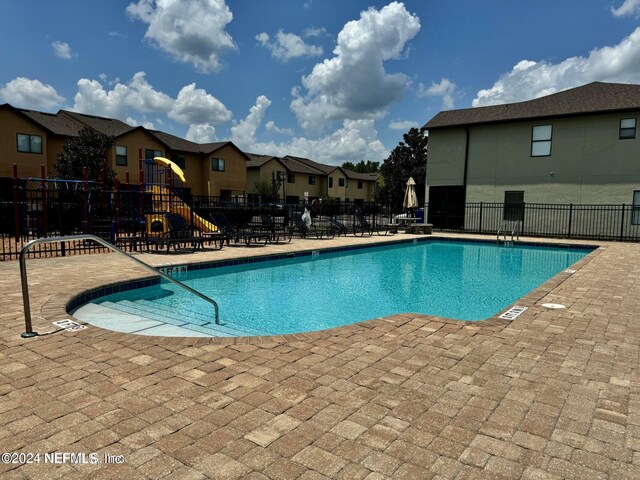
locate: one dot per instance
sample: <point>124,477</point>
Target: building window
<point>151,154</point>
<point>291,177</point>
<point>217,164</point>
<point>360,184</point>
<point>179,160</point>
<point>627,128</point>
<point>312,179</point>
<point>121,155</point>
<point>541,141</point>
<point>29,143</point>
<point>341,182</point>
<point>635,211</point>
<point>330,182</point>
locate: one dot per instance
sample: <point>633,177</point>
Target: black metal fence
<point>598,222</point>
<point>29,213</point>
<point>26,214</point>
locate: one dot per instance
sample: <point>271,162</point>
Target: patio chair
<point>231,232</point>
<point>275,230</point>
<point>300,227</point>
<point>338,227</point>
<point>179,234</point>
<point>363,226</point>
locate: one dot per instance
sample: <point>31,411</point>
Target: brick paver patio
<point>553,394</point>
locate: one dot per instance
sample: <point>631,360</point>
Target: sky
<point>330,80</point>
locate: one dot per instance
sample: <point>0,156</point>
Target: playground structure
<point>164,174</point>
<point>53,206</point>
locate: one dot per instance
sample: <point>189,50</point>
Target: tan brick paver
<point>553,394</point>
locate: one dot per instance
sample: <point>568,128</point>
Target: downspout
<point>466,163</point>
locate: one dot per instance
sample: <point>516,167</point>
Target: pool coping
<point>73,301</point>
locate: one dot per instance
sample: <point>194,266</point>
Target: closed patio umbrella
<point>410,198</point>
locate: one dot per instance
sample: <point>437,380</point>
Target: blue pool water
<point>459,280</point>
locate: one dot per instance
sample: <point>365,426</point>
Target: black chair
<point>275,230</point>
<point>362,226</point>
<point>300,227</point>
<point>231,232</point>
<point>338,227</point>
<point>179,235</point>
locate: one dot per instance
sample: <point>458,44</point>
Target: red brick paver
<point>553,394</point>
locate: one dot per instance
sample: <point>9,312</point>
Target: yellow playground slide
<point>161,203</point>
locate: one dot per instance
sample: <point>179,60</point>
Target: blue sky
<point>332,80</point>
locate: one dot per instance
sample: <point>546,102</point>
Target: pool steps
<point>145,318</point>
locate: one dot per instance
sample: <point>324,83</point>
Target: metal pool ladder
<point>28,333</point>
<point>515,232</point>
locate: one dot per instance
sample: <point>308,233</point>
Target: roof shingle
<point>596,97</point>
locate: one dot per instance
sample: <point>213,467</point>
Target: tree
<point>268,190</point>
<point>88,149</point>
<point>362,167</point>
<point>408,159</point>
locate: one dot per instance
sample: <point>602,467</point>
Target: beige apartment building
<point>31,139</point>
<point>302,178</point>
<point>579,146</point>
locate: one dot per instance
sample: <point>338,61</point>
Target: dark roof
<point>208,148</point>
<point>361,176</point>
<point>176,143</point>
<point>107,126</point>
<point>56,124</point>
<point>257,160</point>
<point>596,97</point>
<point>310,163</point>
<point>212,147</point>
<point>294,164</point>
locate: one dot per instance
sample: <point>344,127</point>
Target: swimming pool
<point>454,279</point>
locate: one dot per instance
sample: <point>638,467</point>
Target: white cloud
<point>134,123</point>
<point>446,90</point>
<point>192,31</point>
<point>192,105</point>
<point>355,141</point>
<point>403,125</point>
<point>137,95</point>
<point>202,133</point>
<point>244,131</point>
<point>287,46</point>
<point>628,8</point>
<point>315,32</point>
<point>195,105</point>
<point>354,84</point>
<point>528,79</point>
<point>62,50</point>
<point>26,93</point>
<point>271,127</point>
<point>117,34</point>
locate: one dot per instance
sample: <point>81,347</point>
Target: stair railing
<point>28,333</point>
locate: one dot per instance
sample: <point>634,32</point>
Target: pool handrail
<point>28,333</point>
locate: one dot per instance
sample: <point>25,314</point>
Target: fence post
<point>141,191</point>
<point>624,207</point>
<point>480,219</point>
<point>570,219</point>
<point>116,206</point>
<point>45,226</point>
<point>85,195</point>
<point>170,189</point>
<point>16,204</point>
